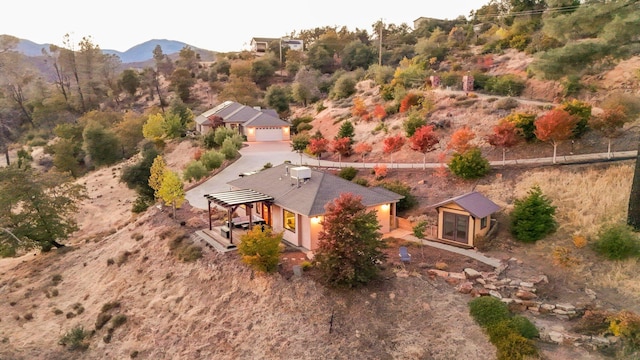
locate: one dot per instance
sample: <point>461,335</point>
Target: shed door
<point>455,227</point>
<point>268,134</point>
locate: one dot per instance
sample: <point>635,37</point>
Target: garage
<point>268,134</point>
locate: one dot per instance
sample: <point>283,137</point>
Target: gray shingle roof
<point>309,197</point>
<point>475,203</point>
<point>233,112</point>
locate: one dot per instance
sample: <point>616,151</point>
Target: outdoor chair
<point>405,257</point>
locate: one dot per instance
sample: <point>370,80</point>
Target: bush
<point>524,327</point>
<point>195,170</point>
<point>261,249</point>
<point>488,311</point>
<point>505,85</point>
<point>469,165</point>
<point>212,159</point>
<point>74,339</point>
<point>118,320</point>
<point>348,173</point>
<point>514,347</point>
<point>617,242</point>
<point>398,187</point>
<point>533,217</point>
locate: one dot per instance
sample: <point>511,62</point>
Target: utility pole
<point>380,47</point>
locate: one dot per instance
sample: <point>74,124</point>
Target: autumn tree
<point>461,139</point>
<point>392,145</point>
<point>359,109</point>
<point>317,146</point>
<point>554,127</point>
<point>171,190</point>
<point>379,112</point>
<point>363,149</point>
<point>37,210</point>
<point>156,174</point>
<point>299,143</point>
<point>153,129</point>
<point>349,244</point>
<point>424,140</point>
<point>342,147</point>
<point>505,135</point>
<point>260,249</point>
<point>610,124</point>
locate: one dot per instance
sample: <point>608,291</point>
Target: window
<point>483,222</point>
<point>289,220</point>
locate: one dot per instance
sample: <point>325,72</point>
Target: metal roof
<point>475,203</point>
<point>237,197</point>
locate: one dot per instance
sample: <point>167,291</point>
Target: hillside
<point>215,307</point>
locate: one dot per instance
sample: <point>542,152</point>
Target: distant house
<point>261,44</point>
<point>292,200</point>
<point>256,124</point>
<point>462,218</point>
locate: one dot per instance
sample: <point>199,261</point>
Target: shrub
<point>348,173</point>
<point>563,256</point>
<point>361,181</point>
<point>56,279</point>
<point>469,165</point>
<point>189,253</point>
<point>514,347</point>
<point>212,159</point>
<point>118,320</point>
<point>195,170</point>
<point>617,242</point>
<point>261,249</point>
<point>524,327</point>
<point>505,85</point>
<point>398,187</point>
<point>380,171</point>
<point>75,339</point>
<point>626,324</point>
<point>533,217</point>
<point>487,311</point>
<point>102,319</point>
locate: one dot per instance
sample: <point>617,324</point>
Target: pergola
<point>232,199</point>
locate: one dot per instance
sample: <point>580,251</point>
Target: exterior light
<point>385,207</point>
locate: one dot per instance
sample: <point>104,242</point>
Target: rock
<point>438,272</point>
<point>426,307</point>
<point>547,308</point>
<point>490,287</point>
<point>423,265</point>
<point>495,294</point>
<point>525,295</point>
<point>373,295</point>
<point>402,274</point>
<point>481,281</point>
<point>507,300</point>
<point>456,275</point>
<point>556,337</point>
<point>392,296</point>
<point>452,281</point>
<point>472,274</point>
<point>590,293</point>
<point>540,279</point>
<point>465,287</point>
<point>526,284</point>
<point>566,307</point>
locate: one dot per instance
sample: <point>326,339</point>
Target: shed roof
<point>475,203</point>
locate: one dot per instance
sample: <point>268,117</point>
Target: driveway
<point>253,157</point>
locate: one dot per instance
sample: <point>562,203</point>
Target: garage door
<point>268,134</point>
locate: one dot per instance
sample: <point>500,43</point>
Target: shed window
<point>483,222</point>
<point>289,220</point>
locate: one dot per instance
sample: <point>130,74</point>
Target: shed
<point>465,217</point>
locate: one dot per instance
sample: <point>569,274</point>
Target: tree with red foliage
<point>554,127</point>
<point>504,136</point>
<point>610,124</point>
<point>349,244</point>
<point>379,112</point>
<point>461,140</point>
<point>363,149</point>
<point>424,140</point>
<point>317,146</point>
<point>342,147</point>
<point>392,145</point>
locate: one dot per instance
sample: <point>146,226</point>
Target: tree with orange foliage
<point>363,149</point>
<point>392,145</point>
<point>424,140</point>
<point>342,147</point>
<point>554,127</point>
<point>359,109</point>
<point>379,112</point>
<point>461,140</point>
<point>505,135</point>
<point>610,124</point>
<point>410,100</point>
<point>317,146</point>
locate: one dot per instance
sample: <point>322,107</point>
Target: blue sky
<point>228,26</point>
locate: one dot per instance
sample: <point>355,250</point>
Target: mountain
<point>139,53</point>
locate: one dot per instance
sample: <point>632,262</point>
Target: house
<point>462,218</point>
<point>292,200</point>
<point>254,123</point>
<point>260,45</point>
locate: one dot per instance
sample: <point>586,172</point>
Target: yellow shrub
<point>579,241</point>
<point>562,256</point>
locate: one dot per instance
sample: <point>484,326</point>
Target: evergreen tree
<point>533,217</point>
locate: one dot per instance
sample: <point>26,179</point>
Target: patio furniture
<point>405,257</point>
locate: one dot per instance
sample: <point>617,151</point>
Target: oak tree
<point>424,140</point>
<point>363,149</point>
<point>317,146</point>
<point>349,244</point>
<point>342,147</point>
<point>554,127</point>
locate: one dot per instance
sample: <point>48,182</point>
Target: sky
<point>212,25</point>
